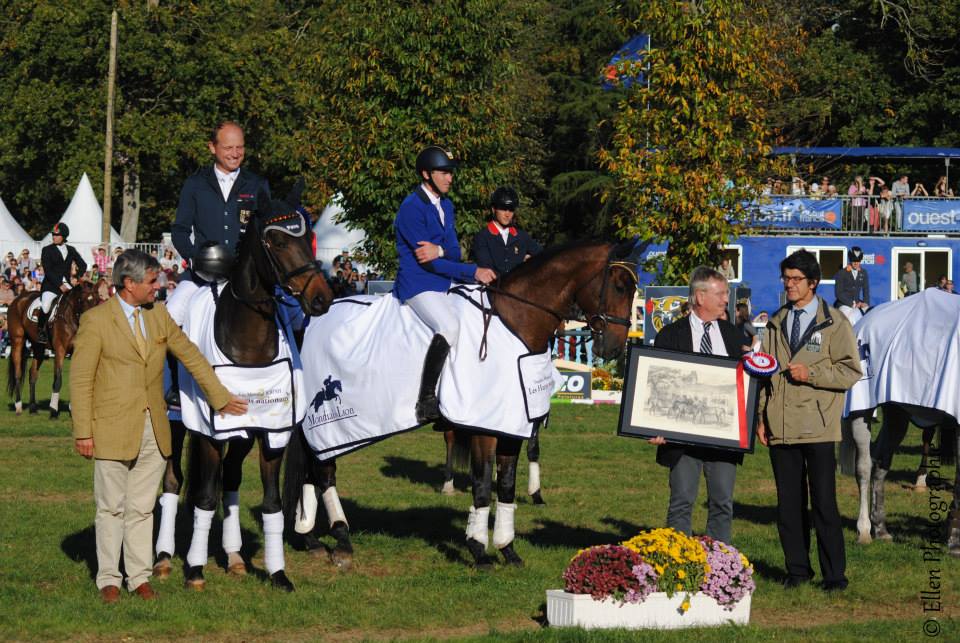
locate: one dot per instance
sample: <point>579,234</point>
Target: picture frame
<point>688,398</point>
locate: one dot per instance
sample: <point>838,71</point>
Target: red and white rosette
<point>760,364</point>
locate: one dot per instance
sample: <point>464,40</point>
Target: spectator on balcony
<point>726,269</point>
<point>798,187</point>
<point>919,190</point>
<point>900,191</point>
<point>822,188</point>
<point>909,280</point>
<point>884,206</point>
<point>858,204</point>
<point>942,189</point>
<point>777,186</point>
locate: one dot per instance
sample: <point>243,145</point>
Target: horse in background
<point>600,278</point>
<point>274,251</point>
<point>63,325</point>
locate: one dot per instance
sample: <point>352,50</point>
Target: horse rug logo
<point>333,412</point>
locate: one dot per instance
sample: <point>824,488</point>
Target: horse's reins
<point>604,318</point>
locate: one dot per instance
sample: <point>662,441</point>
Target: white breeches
<point>435,309</point>
<point>46,300</point>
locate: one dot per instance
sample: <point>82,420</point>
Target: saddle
<point>33,310</point>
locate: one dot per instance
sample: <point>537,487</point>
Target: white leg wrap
<point>202,519</point>
<point>921,482</point>
<point>18,405</point>
<point>477,524</point>
<point>306,510</point>
<point>55,401</point>
<point>232,540</point>
<point>168,521</point>
<point>273,542</point>
<point>331,502</point>
<point>533,482</point>
<point>503,525</point>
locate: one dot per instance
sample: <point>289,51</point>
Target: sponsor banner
<point>576,385</point>
<point>928,215</point>
<point>663,305</point>
<point>786,212</point>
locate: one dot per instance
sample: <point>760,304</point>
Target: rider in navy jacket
<point>490,250</point>
<point>203,210</point>
<point>429,261</point>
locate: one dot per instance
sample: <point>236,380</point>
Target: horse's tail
<point>948,443</point>
<point>296,471</point>
<point>460,454</point>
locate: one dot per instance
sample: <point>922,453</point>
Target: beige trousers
<point>125,492</point>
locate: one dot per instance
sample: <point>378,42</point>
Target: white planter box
<point>657,611</point>
<point>606,397</point>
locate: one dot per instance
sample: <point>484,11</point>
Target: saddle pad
<point>363,362</point>
<point>275,405</point>
<point>33,310</point>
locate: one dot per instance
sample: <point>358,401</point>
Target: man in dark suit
<point>219,199</point>
<point>57,260</point>
<point>702,331</point>
<point>501,245</point>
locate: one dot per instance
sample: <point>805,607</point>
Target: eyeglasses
<point>792,280</point>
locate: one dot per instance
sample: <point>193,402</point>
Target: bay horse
<point>598,277</point>
<point>274,251</point>
<point>62,329</point>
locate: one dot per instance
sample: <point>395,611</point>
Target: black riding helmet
<point>434,158</point>
<point>856,254</point>
<point>61,228</point>
<point>213,260</point>
<point>504,198</point>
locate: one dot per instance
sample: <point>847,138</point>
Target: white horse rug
<point>273,392</point>
<point>910,353</point>
<point>363,362</point>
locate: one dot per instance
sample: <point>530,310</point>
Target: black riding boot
<point>42,336</point>
<point>428,406</point>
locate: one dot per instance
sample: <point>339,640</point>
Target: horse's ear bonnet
<point>282,215</point>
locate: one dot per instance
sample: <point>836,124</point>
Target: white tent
<point>84,217</point>
<point>13,238</point>
<point>333,237</point>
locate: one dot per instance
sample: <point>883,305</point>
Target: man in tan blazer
<point>120,418</point>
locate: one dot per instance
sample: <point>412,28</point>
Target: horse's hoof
<point>864,538</point>
<point>54,414</point>
<point>479,552</point>
<point>448,489</point>
<point>163,567</point>
<point>881,533</point>
<point>341,559</point>
<point>194,580</point>
<point>279,580</point>
<point>33,410</point>
<point>235,565</point>
<point>537,498</point>
<point>510,557</point>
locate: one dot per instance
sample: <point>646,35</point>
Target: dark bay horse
<point>274,251</point>
<point>63,328</point>
<point>599,278</point>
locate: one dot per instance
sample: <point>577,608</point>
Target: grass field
<point>411,578</point>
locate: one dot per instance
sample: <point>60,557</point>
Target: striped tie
<point>706,346</point>
<point>795,331</point>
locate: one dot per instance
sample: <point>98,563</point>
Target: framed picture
<point>688,398</point>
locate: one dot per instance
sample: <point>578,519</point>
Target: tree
<point>690,147</point>
<point>383,79</point>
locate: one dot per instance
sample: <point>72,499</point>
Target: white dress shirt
<point>226,180</point>
<point>716,339</point>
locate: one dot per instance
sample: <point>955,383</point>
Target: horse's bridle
<point>283,277</point>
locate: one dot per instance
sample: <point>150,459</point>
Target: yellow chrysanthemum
<point>684,606</point>
<point>681,574</point>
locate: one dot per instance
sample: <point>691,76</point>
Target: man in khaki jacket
<point>120,419</point>
<point>800,412</point>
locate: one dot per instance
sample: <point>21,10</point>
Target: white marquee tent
<point>334,237</point>
<point>13,238</point>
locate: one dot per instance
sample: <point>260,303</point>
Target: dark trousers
<point>798,469</point>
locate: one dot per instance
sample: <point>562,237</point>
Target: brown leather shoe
<point>110,594</point>
<point>145,592</point>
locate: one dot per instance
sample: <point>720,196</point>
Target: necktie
<point>706,346</point>
<point>138,334</point>
<point>795,331</point>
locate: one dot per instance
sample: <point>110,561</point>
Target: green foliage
<point>689,148</point>
<point>389,78</point>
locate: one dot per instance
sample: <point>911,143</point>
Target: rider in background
<point>58,260</point>
<point>501,246</point>
<point>429,254</point>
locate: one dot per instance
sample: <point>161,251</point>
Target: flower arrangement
<point>661,560</point>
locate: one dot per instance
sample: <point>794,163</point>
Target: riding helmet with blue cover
<point>435,158</point>
<point>213,259</point>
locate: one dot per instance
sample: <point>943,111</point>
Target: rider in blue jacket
<point>429,255</point>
